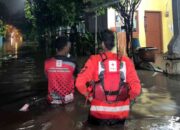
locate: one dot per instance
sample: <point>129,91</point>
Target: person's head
<point>62,45</point>
<point>108,40</point>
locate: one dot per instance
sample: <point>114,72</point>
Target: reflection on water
<point>57,123</point>
<point>155,103</point>
<point>21,82</point>
<point>27,125</point>
<point>158,123</point>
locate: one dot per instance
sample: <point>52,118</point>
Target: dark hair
<point>108,39</point>
<point>61,42</point>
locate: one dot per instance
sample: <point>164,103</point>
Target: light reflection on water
<point>158,123</point>
<point>151,103</point>
<point>161,123</point>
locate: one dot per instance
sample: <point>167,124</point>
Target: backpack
<point>111,86</point>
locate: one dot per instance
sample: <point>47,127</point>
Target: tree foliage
<point>29,12</point>
<point>2,28</point>
<point>51,14</point>
<point>47,17</point>
<point>4,15</point>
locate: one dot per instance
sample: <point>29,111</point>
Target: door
<point>153,30</point>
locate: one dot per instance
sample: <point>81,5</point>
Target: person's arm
<point>85,75</point>
<point>133,80</point>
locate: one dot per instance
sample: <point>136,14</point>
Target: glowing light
<point>14,40</point>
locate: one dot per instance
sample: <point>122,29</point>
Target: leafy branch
<point>2,28</point>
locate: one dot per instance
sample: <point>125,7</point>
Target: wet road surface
<point>22,81</point>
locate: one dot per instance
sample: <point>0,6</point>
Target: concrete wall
<point>174,46</point>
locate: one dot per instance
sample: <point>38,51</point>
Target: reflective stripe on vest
<point>69,63</point>
<point>123,70</point>
<point>103,110</point>
<point>110,109</point>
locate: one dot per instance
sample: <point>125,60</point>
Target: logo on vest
<point>112,66</point>
<point>58,63</point>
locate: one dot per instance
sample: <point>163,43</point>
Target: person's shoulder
<point>64,58</point>
<point>49,59</point>
<point>95,57</point>
<point>126,59</point>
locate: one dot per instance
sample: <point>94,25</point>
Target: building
<point>153,23</point>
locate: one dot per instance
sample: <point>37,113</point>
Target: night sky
<point>15,15</point>
<point>14,6</point>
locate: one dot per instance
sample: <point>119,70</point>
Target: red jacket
<point>101,109</point>
<point>59,71</point>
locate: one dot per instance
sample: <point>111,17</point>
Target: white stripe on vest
<point>110,109</point>
<point>123,70</point>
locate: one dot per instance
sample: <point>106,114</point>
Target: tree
<point>51,14</point>
<point>4,15</point>
<point>126,8</point>
<point>2,28</point>
<point>48,16</point>
<point>28,9</point>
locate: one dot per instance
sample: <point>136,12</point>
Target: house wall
<point>163,6</point>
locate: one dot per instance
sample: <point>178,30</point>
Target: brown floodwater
<point>22,81</point>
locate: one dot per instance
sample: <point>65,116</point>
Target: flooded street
<point>22,81</point>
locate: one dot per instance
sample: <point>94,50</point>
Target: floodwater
<point>22,81</point>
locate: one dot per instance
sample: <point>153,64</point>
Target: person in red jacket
<point>109,82</point>
<point>60,71</point>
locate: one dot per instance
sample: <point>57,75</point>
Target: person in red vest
<point>110,83</point>
<point>60,71</point>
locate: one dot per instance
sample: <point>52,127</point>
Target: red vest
<point>60,78</point>
<point>109,108</point>
<point>111,92</point>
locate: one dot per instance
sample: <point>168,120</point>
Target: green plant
<point>2,28</point>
